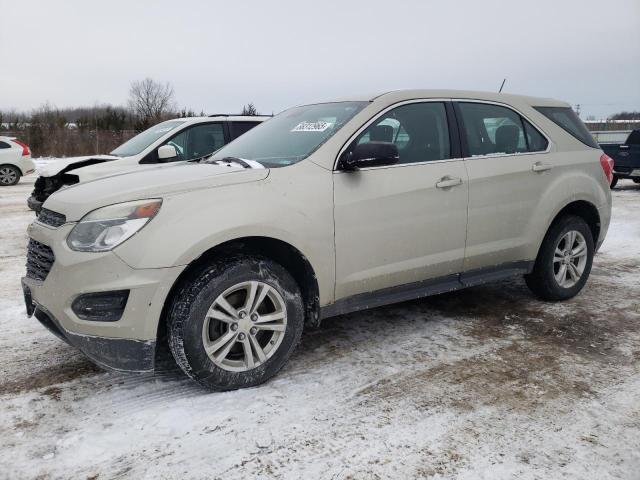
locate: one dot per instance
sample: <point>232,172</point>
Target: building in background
<point>612,131</point>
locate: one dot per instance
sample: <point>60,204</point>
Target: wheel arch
<point>294,261</point>
<point>14,166</point>
<point>583,209</point>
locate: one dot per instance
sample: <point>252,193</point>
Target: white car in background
<point>15,161</point>
<point>180,139</point>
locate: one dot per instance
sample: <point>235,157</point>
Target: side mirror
<point>370,154</point>
<point>167,152</point>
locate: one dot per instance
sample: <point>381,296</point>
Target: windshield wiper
<point>239,161</point>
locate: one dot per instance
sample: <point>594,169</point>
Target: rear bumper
<point>117,354</point>
<point>27,166</point>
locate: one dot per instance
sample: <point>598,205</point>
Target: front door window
<point>419,130</point>
<point>198,141</point>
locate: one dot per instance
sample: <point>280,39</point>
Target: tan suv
<point>325,209</point>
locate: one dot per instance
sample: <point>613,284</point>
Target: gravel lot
<point>483,383</point>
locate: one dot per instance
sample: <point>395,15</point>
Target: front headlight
<point>107,227</point>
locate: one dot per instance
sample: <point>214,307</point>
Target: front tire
<point>236,323</point>
<point>9,175</point>
<point>564,260</point>
<point>614,182</point>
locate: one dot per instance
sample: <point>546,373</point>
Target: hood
<point>107,168</point>
<point>57,166</point>
<point>77,200</point>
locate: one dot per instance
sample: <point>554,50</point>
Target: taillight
<point>25,149</point>
<point>607,166</point>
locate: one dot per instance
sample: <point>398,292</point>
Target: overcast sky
<point>219,55</point>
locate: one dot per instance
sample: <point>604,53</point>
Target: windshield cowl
<point>234,161</point>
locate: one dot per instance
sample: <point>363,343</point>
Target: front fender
<point>293,205</point>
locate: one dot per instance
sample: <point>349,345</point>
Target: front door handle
<point>541,167</point>
<point>448,182</point>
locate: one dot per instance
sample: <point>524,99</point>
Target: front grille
<point>39,260</point>
<point>51,218</point>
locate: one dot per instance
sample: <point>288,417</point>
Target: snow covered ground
<point>486,383</point>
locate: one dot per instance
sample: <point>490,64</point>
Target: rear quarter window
<point>567,119</point>
<point>4,145</point>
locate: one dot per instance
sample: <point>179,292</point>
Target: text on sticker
<point>319,126</point>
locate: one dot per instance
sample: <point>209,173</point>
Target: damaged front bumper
<point>124,341</point>
<point>119,354</point>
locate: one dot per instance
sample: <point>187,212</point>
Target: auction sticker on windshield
<point>319,126</point>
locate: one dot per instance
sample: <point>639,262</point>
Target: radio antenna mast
<point>501,86</point>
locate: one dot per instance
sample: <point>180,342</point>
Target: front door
<point>404,223</point>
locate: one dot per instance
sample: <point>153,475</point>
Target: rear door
<point>7,153</point>
<point>509,168</point>
<point>404,223</point>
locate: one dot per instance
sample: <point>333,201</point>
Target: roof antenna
<point>501,86</point>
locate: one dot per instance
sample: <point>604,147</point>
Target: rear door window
<point>492,129</point>
<point>567,119</point>
<point>535,140</point>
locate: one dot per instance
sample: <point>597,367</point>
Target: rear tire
<point>636,180</point>
<point>564,260</point>
<point>9,175</point>
<point>236,322</point>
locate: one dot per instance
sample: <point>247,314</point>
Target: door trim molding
<point>425,288</point>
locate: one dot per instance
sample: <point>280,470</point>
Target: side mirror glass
<point>370,154</point>
<point>166,153</point>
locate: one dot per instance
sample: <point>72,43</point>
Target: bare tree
<point>249,109</point>
<point>151,101</point>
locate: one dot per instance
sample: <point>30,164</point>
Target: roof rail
<point>236,115</point>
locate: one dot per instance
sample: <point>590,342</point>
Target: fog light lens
<point>101,306</point>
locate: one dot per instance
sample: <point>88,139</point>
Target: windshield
<point>292,135</point>
<point>141,141</point>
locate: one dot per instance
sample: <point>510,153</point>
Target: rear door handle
<point>448,182</point>
<point>541,167</point>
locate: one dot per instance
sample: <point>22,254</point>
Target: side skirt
<point>425,288</point>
